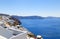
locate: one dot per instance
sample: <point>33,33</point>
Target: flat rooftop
<point>8,33</point>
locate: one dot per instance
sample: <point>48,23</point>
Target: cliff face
<point>8,20</point>
<point>17,22</point>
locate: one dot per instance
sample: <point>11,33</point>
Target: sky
<point>30,7</point>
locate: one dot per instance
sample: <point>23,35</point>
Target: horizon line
<point>28,15</point>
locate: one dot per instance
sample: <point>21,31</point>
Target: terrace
<point>12,33</point>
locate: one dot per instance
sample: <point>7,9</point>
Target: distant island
<point>29,17</point>
<point>35,17</point>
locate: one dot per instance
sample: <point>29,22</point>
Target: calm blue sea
<point>47,28</point>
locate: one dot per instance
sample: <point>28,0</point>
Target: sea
<point>47,28</point>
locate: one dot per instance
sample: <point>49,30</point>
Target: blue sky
<point>31,7</point>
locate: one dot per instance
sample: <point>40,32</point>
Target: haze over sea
<point>48,28</point>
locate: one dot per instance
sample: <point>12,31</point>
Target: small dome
<point>38,36</point>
